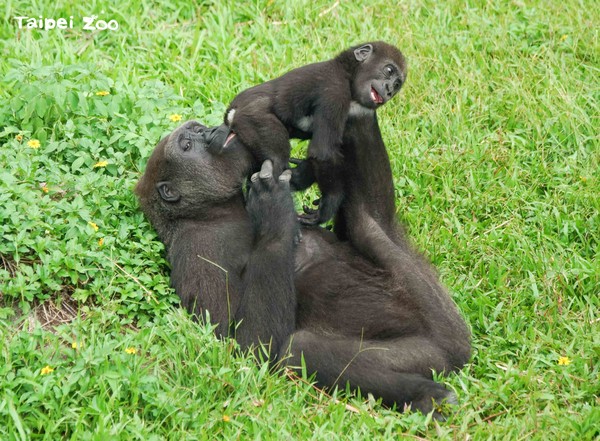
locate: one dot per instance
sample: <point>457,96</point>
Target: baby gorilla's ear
<point>363,52</point>
<point>167,192</point>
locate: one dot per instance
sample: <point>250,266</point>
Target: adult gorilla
<point>376,318</point>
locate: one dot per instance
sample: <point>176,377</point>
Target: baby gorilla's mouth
<point>377,99</point>
<point>229,138</point>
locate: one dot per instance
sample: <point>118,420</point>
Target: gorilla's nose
<point>194,126</point>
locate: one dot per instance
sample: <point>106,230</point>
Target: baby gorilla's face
<point>377,83</point>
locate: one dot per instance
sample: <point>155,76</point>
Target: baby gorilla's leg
<point>262,133</point>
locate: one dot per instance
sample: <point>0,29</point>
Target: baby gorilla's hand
<point>303,175</point>
<point>270,206</point>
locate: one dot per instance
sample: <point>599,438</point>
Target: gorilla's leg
<point>398,371</point>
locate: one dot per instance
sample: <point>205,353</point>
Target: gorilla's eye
<point>389,70</point>
<point>187,144</point>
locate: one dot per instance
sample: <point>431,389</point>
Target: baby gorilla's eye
<point>388,70</point>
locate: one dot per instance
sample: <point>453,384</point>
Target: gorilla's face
<point>192,169</point>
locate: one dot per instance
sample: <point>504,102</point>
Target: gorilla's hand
<point>270,205</point>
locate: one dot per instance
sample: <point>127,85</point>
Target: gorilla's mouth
<point>229,138</point>
<point>377,99</point>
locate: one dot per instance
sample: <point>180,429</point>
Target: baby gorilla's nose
<point>388,90</point>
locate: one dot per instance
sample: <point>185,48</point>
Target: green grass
<point>495,151</point>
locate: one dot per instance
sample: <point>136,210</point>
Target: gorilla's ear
<point>167,192</point>
<point>363,52</point>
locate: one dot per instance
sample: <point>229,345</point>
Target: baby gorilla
<point>314,102</point>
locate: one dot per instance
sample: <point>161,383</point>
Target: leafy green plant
<point>69,133</point>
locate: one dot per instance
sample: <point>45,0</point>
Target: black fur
<point>224,253</point>
<point>372,311</point>
<point>315,101</point>
<point>379,322</point>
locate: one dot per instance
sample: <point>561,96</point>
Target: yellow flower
<point>100,164</point>
<point>564,37</point>
<point>175,117</point>
<point>46,370</point>
<point>226,418</point>
<point>93,225</point>
<point>131,351</point>
<point>102,93</point>
<point>33,143</point>
<point>74,345</point>
<point>564,361</point>
<point>19,137</point>
<point>45,188</point>
<point>583,178</point>
<point>101,242</point>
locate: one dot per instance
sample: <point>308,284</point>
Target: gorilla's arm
<point>268,301</point>
<point>230,259</point>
